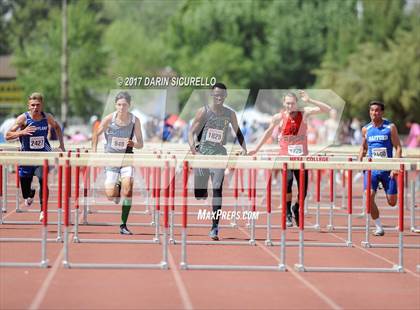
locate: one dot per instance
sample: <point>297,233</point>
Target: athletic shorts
<point>113,174</point>
<point>30,171</point>
<point>389,184</point>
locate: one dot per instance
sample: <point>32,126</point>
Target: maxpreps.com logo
<point>378,138</point>
<point>226,215</point>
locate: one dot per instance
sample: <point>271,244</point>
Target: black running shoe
<point>295,210</point>
<point>289,220</point>
<point>124,230</point>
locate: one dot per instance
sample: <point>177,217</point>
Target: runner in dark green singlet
<point>210,125</point>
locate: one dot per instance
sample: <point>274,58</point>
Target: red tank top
<point>293,135</point>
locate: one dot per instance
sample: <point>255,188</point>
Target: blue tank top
<point>379,140</point>
<point>38,141</point>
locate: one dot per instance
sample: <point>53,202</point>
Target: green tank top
<point>213,135</point>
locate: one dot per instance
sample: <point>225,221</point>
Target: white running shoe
<point>41,216</point>
<point>28,202</point>
<point>379,232</point>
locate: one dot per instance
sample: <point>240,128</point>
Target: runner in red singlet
<point>293,140</point>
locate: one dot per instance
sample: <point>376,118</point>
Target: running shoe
<point>295,210</point>
<point>289,220</point>
<point>124,230</point>
<point>379,232</point>
<point>41,216</point>
<point>213,234</point>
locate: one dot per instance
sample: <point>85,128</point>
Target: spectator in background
<point>94,122</point>
<point>78,137</point>
<point>312,132</point>
<point>331,127</point>
<point>245,131</point>
<point>356,129</point>
<point>413,138</point>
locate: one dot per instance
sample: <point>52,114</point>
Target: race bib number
<point>118,143</point>
<point>214,135</point>
<point>379,152</point>
<point>36,143</point>
<point>295,150</point>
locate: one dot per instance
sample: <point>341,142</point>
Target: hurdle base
<point>44,263</point>
<point>299,268</point>
<point>112,266</point>
<point>394,268</point>
<point>234,267</point>
<point>349,244</point>
<point>209,242</point>
<point>366,244</point>
<point>268,242</point>
<point>25,265</point>
<point>330,228</point>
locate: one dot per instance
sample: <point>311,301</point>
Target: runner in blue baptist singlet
<point>32,130</point>
<point>380,136</point>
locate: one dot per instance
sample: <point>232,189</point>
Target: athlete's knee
<point>127,192</point>
<point>217,192</point>
<point>392,200</point>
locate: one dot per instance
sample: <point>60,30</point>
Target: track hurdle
<point>76,203</point>
<point>401,198</point>
<point>300,266</point>
<point>187,266</point>
<point>163,264</point>
<point>44,261</point>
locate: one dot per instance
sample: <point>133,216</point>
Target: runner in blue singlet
<point>32,130</point>
<point>380,136</point>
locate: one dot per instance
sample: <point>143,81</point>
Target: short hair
<point>219,85</point>
<point>36,96</point>
<point>290,94</point>
<point>123,95</point>
<point>376,102</point>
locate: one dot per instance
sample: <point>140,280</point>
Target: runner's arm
<point>53,124</point>
<point>238,132</point>
<point>395,139</point>
<point>138,134</point>
<point>101,128</point>
<point>13,132</point>
<point>267,133</point>
<point>196,127</point>
<point>363,146</point>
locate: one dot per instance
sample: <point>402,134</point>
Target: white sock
<point>378,223</point>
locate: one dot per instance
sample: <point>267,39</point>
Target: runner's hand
<point>252,152</point>
<point>304,96</point>
<point>29,130</point>
<point>394,174</point>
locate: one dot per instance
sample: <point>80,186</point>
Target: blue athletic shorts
<point>389,184</point>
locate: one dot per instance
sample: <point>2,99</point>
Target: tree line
<point>361,49</point>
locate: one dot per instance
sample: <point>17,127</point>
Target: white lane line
<point>186,300</point>
<point>290,269</point>
<point>40,295</point>
<point>377,256</point>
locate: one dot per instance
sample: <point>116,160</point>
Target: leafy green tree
<point>37,59</point>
